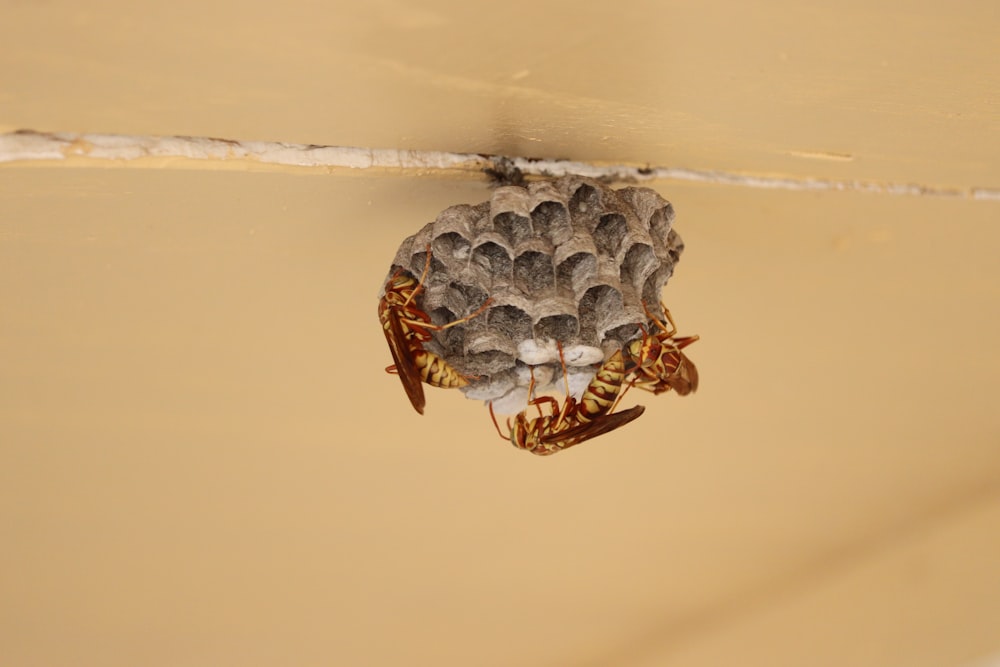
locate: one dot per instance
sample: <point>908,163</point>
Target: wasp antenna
<point>479,311</point>
<point>669,318</point>
<point>423,276</point>
<point>669,331</point>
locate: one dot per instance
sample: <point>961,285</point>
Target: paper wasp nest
<point>568,260</point>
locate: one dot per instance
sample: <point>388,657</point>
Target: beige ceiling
<point>203,462</point>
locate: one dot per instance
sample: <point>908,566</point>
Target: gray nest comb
<point>568,260</point>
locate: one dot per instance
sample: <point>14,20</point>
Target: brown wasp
<point>657,362</point>
<point>407,328</point>
<point>573,422</point>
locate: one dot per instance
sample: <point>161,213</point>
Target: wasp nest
<point>568,260</point>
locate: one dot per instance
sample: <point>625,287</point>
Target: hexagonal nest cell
<point>568,260</point>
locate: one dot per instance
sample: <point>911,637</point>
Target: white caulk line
<point>30,146</point>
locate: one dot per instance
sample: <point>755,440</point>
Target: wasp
<point>573,422</point>
<point>657,363</point>
<point>407,328</point>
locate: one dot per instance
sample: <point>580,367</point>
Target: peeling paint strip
<point>986,193</point>
<point>30,146</point>
<point>823,155</point>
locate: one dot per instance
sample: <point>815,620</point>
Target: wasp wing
<point>689,373</point>
<point>600,426</point>
<point>683,380</point>
<point>407,370</point>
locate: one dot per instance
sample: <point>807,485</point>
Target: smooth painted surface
<point>892,90</point>
<point>203,462</point>
<point>203,458</point>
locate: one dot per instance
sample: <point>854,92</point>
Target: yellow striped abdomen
<point>435,371</point>
<point>602,391</point>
